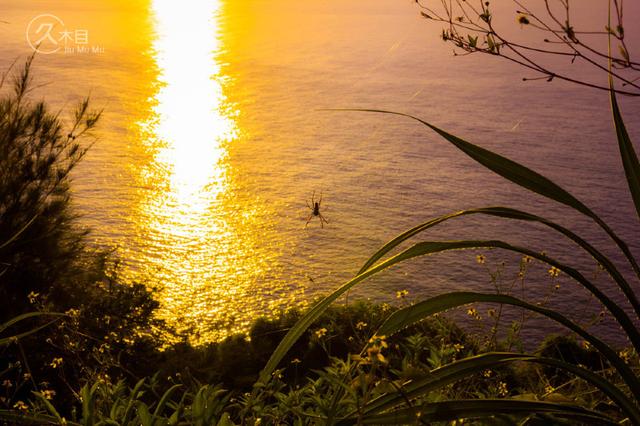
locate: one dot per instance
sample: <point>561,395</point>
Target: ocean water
<point>216,136</point>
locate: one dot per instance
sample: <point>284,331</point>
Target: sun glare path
<point>190,103</point>
<point>186,131</point>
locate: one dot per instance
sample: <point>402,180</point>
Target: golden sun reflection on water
<point>189,109</point>
<point>199,240</point>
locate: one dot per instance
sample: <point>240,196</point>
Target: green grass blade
<point>510,213</point>
<point>165,398</point>
<point>460,369</point>
<point>28,315</point>
<point>12,417</point>
<point>133,397</point>
<point>50,408</point>
<point>88,395</point>
<point>627,153</point>
<point>144,416</point>
<point>480,408</point>
<point>508,169</point>
<point>225,420</point>
<point>20,231</point>
<point>11,339</point>
<point>430,247</point>
<point>412,314</point>
<point>521,176</point>
<point>439,378</point>
<point>313,314</point>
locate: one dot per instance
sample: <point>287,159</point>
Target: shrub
<point>45,263</point>
<point>37,154</point>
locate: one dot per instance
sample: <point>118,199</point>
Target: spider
<point>315,210</point>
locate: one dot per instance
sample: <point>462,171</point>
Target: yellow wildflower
<point>374,353</point>
<point>473,312</point>
<point>502,389</point>
<point>625,355</point>
<point>554,272</point>
<point>20,406</point>
<point>379,340</point>
<point>402,294</point>
<point>321,332</point>
<point>376,345</point>
<point>72,312</point>
<point>48,394</point>
<point>33,297</point>
<point>56,362</point>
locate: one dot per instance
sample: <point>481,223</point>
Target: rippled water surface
<point>214,140</point>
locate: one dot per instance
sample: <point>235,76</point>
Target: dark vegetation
<point>45,262</point>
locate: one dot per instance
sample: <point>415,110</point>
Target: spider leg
<point>307,203</point>
<point>308,220</point>
<point>323,219</point>
<point>313,198</point>
<point>320,201</point>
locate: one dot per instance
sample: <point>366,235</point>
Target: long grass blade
<point>50,408</point>
<point>461,369</point>
<point>11,339</point>
<point>481,408</point>
<point>407,316</point>
<point>164,400</point>
<point>510,213</point>
<point>16,418</point>
<point>8,340</point>
<point>521,176</point>
<point>133,397</point>
<point>88,395</point>
<point>627,152</point>
<point>28,315</point>
<point>20,231</point>
<point>430,247</point>
<point>313,314</point>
